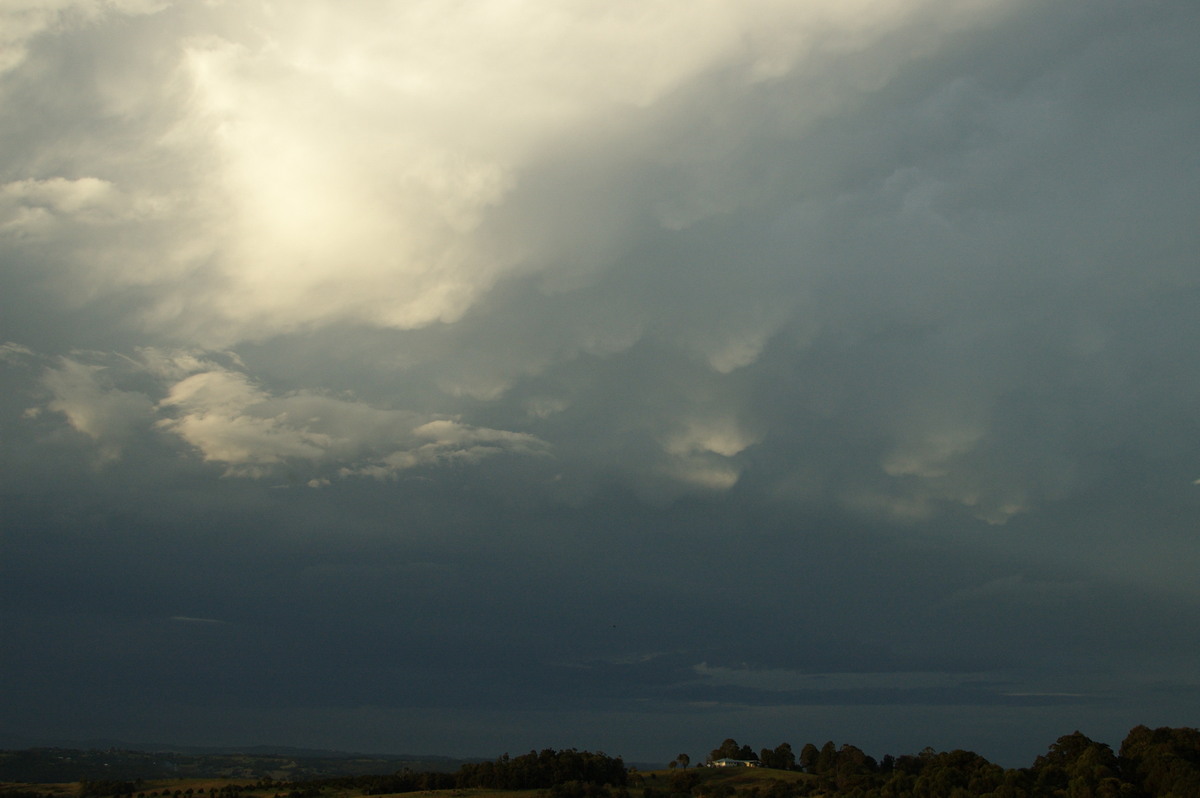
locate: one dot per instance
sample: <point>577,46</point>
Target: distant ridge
<point>47,761</point>
<point>11,742</point>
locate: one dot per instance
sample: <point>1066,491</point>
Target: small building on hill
<point>726,762</point>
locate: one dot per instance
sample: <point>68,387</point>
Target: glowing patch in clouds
<point>339,167</point>
<point>228,419</point>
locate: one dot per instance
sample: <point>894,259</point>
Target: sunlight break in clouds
<point>363,166</point>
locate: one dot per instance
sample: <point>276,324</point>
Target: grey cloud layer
<point>448,315</point>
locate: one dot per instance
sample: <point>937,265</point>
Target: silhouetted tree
<point>808,758</point>
<point>780,757</point>
<point>729,749</point>
<point>1162,761</point>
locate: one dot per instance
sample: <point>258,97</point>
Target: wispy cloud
<point>188,619</point>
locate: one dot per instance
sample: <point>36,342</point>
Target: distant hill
<point>58,764</point>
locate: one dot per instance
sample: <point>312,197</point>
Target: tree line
<point>568,773</point>
<point>1151,763</point>
<point>544,769</point>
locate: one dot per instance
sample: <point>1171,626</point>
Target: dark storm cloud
<point>386,390</point>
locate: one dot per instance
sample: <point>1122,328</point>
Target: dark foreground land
<point>1150,763</point>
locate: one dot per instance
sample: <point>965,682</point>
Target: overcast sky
<point>470,377</point>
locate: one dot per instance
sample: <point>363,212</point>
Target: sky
<point>473,377</point>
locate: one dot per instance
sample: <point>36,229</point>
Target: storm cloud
<point>461,378</point>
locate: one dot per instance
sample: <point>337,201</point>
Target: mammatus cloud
<point>403,172</point>
<point>227,419</point>
<point>209,402</point>
<point>93,406</point>
<point>814,249</point>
